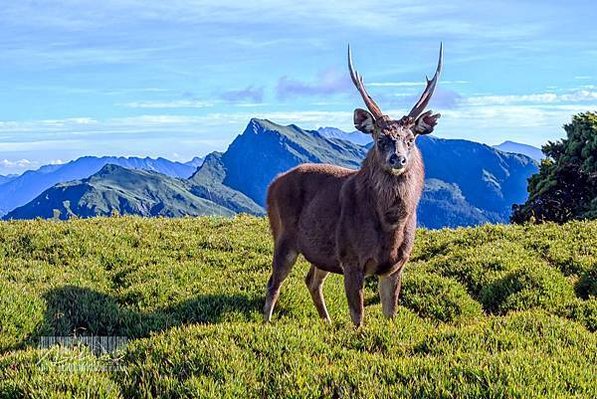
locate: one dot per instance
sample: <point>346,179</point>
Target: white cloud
<point>75,131</point>
<point>328,82</point>
<point>531,124</point>
<point>476,120</point>
<point>45,125</point>
<point>56,162</point>
<point>577,96</point>
<point>169,104</point>
<point>531,118</point>
<point>18,164</point>
<point>409,18</point>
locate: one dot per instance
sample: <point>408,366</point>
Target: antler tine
<point>428,93</point>
<point>358,82</point>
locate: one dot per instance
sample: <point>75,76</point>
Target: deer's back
<point>304,208</point>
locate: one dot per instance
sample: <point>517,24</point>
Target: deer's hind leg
<point>284,258</point>
<point>314,280</point>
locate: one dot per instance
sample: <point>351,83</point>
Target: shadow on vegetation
<point>83,311</point>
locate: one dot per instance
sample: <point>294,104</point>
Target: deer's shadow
<point>83,311</point>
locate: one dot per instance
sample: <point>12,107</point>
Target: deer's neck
<point>388,192</point>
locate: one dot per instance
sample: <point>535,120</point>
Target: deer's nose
<point>397,161</point>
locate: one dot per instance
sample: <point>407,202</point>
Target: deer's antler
<point>358,82</point>
<point>428,93</point>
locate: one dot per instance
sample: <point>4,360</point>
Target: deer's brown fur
<point>352,222</point>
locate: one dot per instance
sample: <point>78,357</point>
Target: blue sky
<point>182,78</point>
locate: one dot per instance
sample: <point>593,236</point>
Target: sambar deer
<point>354,222</point>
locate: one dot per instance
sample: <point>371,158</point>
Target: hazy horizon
<point>181,79</point>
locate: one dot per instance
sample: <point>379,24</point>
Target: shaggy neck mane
<point>386,190</point>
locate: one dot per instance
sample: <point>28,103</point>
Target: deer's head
<point>394,139</point>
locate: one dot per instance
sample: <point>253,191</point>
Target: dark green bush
<point>585,312</point>
<point>499,357</point>
<point>477,266</point>
<point>526,288</point>
<point>587,284</point>
<point>565,186</point>
<point>438,298</point>
<point>57,373</point>
<point>21,314</point>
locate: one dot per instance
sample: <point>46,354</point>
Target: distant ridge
<point>335,133</point>
<point>127,191</point>
<point>22,189</point>
<point>208,182</point>
<point>7,178</point>
<point>490,180</point>
<point>519,148</point>
<point>195,162</point>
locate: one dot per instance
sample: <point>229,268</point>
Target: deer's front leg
<point>389,285</point>
<point>389,290</point>
<point>353,285</point>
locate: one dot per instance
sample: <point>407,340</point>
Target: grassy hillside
<point>494,311</point>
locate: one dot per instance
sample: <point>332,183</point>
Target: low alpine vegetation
<point>493,311</point>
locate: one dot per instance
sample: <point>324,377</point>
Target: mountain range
<point>518,148</point>
<point>6,178</point>
<point>335,133</point>
<point>127,191</point>
<point>467,183</point>
<point>19,190</point>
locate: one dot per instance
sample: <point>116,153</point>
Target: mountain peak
<point>257,125</point>
<point>111,168</point>
<point>266,149</point>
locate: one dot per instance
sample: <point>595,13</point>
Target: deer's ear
<point>363,121</point>
<point>425,123</point>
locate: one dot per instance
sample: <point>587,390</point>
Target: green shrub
<point>587,284</point>
<point>585,312</point>
<point>431,243</point>
<point>21,314</point>
<point>83,311</point>
<point>516,331</point>
<point>477,266</point>
<point>57,373</point>
<point>438,298</point>
<point>571,250</point>
<point>523,355</point>
<point>527,288</point>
